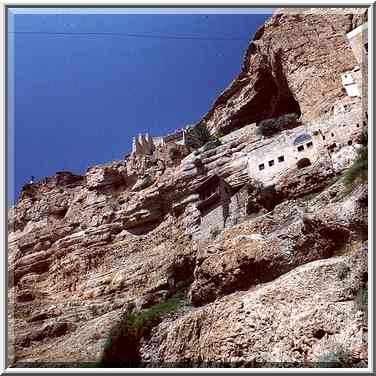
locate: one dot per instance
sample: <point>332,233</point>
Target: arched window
<point>302,138</point>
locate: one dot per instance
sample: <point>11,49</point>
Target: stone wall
<point>171,153</point>
<point>278,154</point>
<point>157,140</point>
<point>143,145</point>
<point>237,207</point>
<point>352,82</point>
<point>212,221</point>
<point>226,213</point>
<point>177,136</point>
<point>358,39</point>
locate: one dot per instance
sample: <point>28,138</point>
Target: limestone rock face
<point>144,208</point>
<point>291,65</point>
<point>306,315</point>
<point>97,177</point>
<point>258,251</point>
<point>280,280</point>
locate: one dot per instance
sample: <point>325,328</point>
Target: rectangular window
<point>366,46</point>
<point>309,144</point>
<point>332,147</point>
<point>300,148</point>
<point>271,163</point>
<point>323,137</point>
<point>281,159</point>
<point>261,166</point>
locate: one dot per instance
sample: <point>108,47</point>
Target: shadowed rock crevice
<point>280,60</point>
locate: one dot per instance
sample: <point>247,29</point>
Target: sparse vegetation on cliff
<point>359,170</point>
<point>363,138</point>
<point>269,127</point>
<point>122,345</point>
<point>199,134</point>
<point>333,359</point>
<point>174,153</point>
<point>212,144</point>
<point>107,251</point>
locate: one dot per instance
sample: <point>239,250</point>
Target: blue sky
<point>77,96</point>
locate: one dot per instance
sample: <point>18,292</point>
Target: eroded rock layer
<point>293,64</point>
<point>268,269</point>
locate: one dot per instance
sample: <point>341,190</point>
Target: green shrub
<point>220,134</point>
<point>212,144</point>
<point>214,232</point>
<point>181,285</point>
<point>333,359</point>
<point>123,342</point>
<point>361,300</point>
<point>269,127</point>
<point>359,169</point>
<point>198,135</point>
<point>89,365</point>
<point>363,138</point>
<point>362,297</point>
<point>174,153</point>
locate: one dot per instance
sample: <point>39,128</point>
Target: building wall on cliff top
<point>358,39</point>
<point>333,135</point>
<point>315,51</point>
<point>278,154</point>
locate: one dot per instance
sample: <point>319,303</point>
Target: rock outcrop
<point>281,283</point>
<point>285,70</point>
<point>260,250</point>
<point>306,317</point>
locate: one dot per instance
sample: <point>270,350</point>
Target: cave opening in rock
<point>285,101</point>
<point>319,333</point>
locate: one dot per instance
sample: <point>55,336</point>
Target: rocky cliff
<point>291,65</point>
<point>285,280</point>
